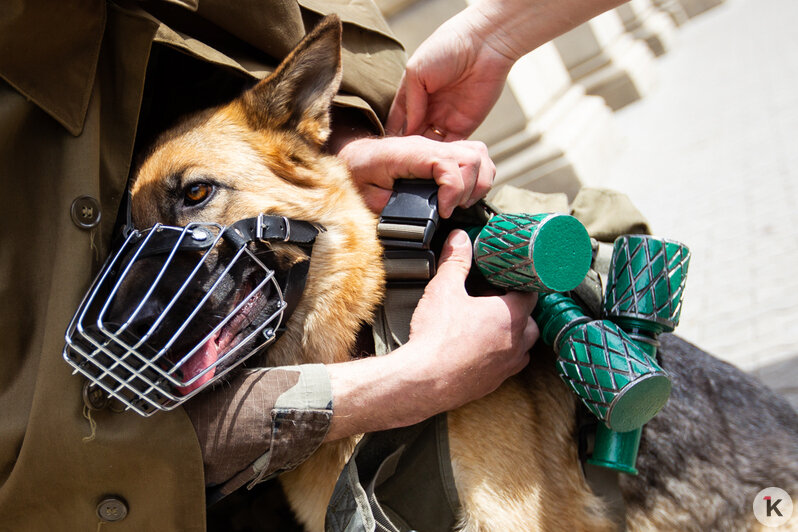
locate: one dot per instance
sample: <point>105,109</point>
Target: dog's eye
<point>196,193</point>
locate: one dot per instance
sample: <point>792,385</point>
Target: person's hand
<point>450,84</point>
<point>463,170</point>
<point>460,349</point>
<point>455,77</point>
<point>472,343</point>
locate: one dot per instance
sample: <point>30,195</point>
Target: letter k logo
<point>772,506</point>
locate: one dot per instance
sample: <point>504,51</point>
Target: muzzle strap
<point>272,228</point>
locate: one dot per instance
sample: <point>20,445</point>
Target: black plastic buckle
<point>407,225</point>
<point>410,218</point>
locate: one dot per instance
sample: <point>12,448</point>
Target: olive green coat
<point>73,78</point>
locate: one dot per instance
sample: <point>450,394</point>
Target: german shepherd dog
<point>721,438</point>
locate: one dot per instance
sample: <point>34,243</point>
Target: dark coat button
<point>85,212</point>
<point>94,397</point>
<point>112,508</point>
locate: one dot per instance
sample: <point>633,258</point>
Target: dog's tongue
<point>206,356</point>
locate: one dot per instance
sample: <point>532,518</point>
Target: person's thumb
<point>455,260</point>
<point>397,119</point>
<point>396,124</point>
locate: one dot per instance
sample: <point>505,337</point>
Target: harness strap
<point>372,492</point>
<point>407,225</point>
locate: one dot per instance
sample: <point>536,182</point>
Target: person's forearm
<point>516,27</point>
<point>380,393</point>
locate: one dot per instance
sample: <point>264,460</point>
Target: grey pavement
<point>711,158</point>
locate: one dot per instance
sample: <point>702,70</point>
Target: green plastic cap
<point>540,253</point>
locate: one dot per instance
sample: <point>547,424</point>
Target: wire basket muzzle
<point>172,312</point>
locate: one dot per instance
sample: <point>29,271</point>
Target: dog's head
<point>259,154</point>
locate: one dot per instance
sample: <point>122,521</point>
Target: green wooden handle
<point>616,450</point>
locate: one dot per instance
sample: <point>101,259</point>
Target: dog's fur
<point>721,438</point>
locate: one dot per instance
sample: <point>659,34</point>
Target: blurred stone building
<point>552,129</point>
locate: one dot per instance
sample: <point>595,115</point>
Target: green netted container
<point>609,372</point>
<point>644,295</point>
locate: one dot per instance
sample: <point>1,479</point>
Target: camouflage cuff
<point>265,421</point>
<point>311,392</point>
<point>300,420</point>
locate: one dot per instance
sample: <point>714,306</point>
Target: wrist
<point>503,26</point>
<point>516,27</point>
<point>380,393</point>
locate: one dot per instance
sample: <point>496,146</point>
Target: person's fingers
<point>531,332</point>
<point>485,176</point>
<point>376,198</point>
<point>396,123</point>
<point>455,260</point>
<point>463,170</point>
<point>452,188</point>
<point>465,177</point>
<point>470,168</point>
<point>415,105</point>
<point>521,303</point>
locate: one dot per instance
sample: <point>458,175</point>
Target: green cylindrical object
<point>644,295</point>
<point>556,314</point>
<point>616,450</point>
<point>646,282</point>
<point>534,253</point>
<point>612,376</point>
<point>615,379</point>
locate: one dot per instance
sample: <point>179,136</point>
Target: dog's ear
<point>298,95</point>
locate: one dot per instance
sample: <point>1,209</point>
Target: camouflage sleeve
<point>265,421</point>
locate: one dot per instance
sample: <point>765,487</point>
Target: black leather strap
<point>273,228</point>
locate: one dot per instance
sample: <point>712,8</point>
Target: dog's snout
<point>136,317</point>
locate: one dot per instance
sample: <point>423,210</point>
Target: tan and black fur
<point>514,452</point>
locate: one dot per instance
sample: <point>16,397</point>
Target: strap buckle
<point>410,218</point>
<point>263,222</point>
<point>406,227</point>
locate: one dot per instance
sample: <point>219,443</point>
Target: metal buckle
<point>259,227</point>
<point>287,230</point>
<point>262,222</point>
